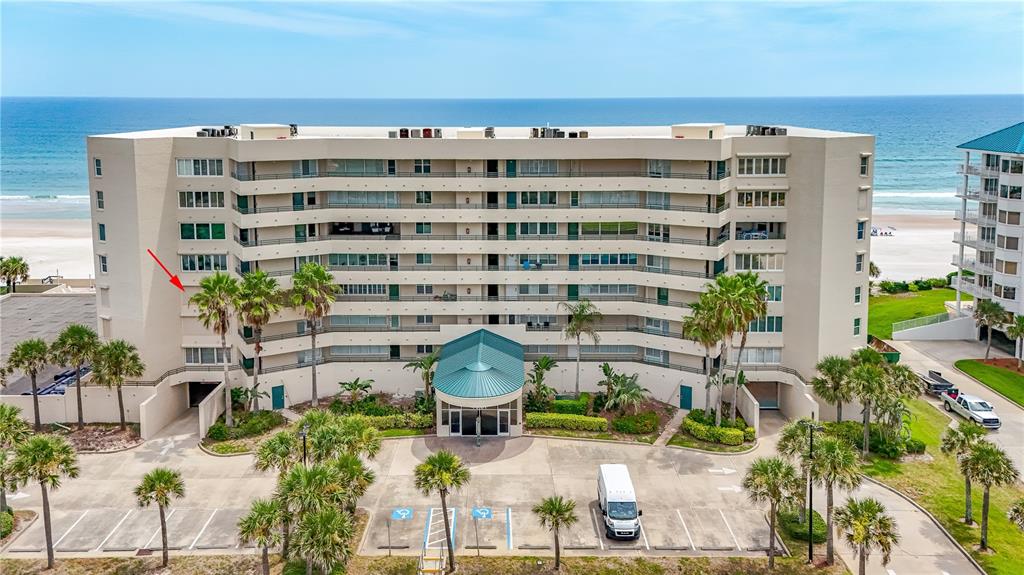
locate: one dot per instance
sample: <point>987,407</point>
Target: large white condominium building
<point>433,233</point>
<point>989,241</point>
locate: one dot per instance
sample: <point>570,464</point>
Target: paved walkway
<point>671,428</point>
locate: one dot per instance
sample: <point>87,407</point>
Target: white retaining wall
<point>953,329</point>
<point>165,405</point>
<point>99,404</point>
<point>749,408</point>
<point>210,409</point>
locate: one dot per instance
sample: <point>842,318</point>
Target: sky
<point>457,49</point>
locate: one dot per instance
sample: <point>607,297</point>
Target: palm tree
<point>75,346</point>
<point>425,365</point>
<point>581,321</point>
<point>702,327</point>
<point>115,362</point>
<point>45,459</point>
<point>13,431</point>
<point>1015,331</point>
<point>358,437</point>
<point>1016,513</point>
<point>773,481</point>
<point>832,385</point>
<point>867,384</point>
<point>990,314</point>
<point>442,473</point>
<point>13,270</point>
<point>314,292</point>
<point>555,513</point>
<point>873,270</point>
<point>259,527</point>
<point>541,392</point>
<point>626,393</point>
<point>160,486</point>
<point>958,441</point>
<point>989,465</point>
<point>749,302</point>
<point>322,536</point>
<point>280,452</point>
<point>306,490</point>
<point>866,526</point>
<point>30,356</point>
<point>794,445</point>
<point>834,466</point>
<point>256,302</point>
<point>356,476</point>
<point>355,387</point>
<point>214,300</point>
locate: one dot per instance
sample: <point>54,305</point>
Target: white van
<point>617,501</point>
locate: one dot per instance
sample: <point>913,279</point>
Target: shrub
<point>228,448</point>
<point>6,524</point>
<point>572,406</point>
<point>566,421</point>
<point>238,397</point>
<point>700,416</point>
<point>789,521</point>
<point>853,433</point>
<point>702,431</point>
<point>426,406</point>
<point>217,432</point>
<point>749,433</point>
<point>912,287</point>
<point>939,282</point>
<point>725,435</point>
<point>915,446</point>
<point>730,436</point>
<point>893,287</point>
<point>368,405</point>
<point>247,424</point>
<point>923,285</point>
<point>398,420</point>
<point>640,423</point>
<point>598,404</point>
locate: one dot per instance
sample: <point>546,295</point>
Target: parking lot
<point>117,530</point>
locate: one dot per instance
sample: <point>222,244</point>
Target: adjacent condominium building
<point>434,233</point>
<point>989,240</point>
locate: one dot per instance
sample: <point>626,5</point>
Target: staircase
<point>432,562</point>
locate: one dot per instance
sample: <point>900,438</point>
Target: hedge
<point>572,406</point>
<point>640,423</point>
<point>247,424</point>
<point>880,444</point>
<point>398,420</point>
<point>694,425</point>
<point>6,523</point>
<point>566,421</point>
<point>367,405</point>
<point>789,521</point>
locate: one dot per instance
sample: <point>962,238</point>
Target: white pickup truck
<point>972,407</point>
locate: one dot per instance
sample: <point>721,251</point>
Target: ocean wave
<point>922,194</point>
<point>15,197</point>
<point>52,198</point>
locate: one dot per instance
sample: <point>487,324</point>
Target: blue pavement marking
<point>482,513</point>
<point>402,514</point>
<point>455,513</point>
<point>426,527</point>
<point>508,526</point>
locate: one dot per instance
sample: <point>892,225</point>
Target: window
<point>424,197</point>
<point>358,320</point>
<point>1005,267</point>
<point>423,228</point>
<point>357,350</point>
<point>308,168</point>
<point>361,198</point>
<point>1013,166</point>
<point>421,166</point>
<point>204,262</point>
<point>538,198</point>
<point>341,260</point>
<point>97,167</point>
<point>610,228</point>
<point>657,263</point>
<point>656,325</point>
<point>659,168</point>
<point>605,349</point>
<point>1008,242</point>
<point>1010,192</point>
<point>859,263</point>
<point>774,293</point>
<point>608,289</point>
<point>422,349</point>
<point>864,165</point>
<point>1012,218</point>
<point>856,326</point>
<point>206,355</point>
<point>759,355</point>
<point>423,259</point>
<point>767,324</point>
<point>424,319</point>
<point>102,231</point>
<point>762,166</point>
<point>99,200</point>
<point>760,262</point>
<point>860,230</point>
<point>356,167</point>
<point>200,199</point>
<point>103,264</point>
<point>537,259</point>
<point>856,294</point>
<point>364,289</point>
<point>200,167</point>
<point>655,355</point>
<point>538,167</point>
<point>202,231</point>
<point>538,228</point>
<point>537,289</point>
<point>1005,292</point>
<point>761,199</point>
<point>608,259</point>
<point>424,289</point>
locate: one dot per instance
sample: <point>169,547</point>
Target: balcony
<point>973,241</point>
<point>478,206</point>
<point>385,236</point>
<point>972,264</point>
<point>482,175</point>
<point>968,193</point>
<point>973,217</point>
<point>968,170</point>
<point>506,268</point>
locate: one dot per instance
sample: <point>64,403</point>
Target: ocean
<point>42,140</point>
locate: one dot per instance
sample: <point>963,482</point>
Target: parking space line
<point>426,527</point>
<point>508,524</point>
<point>109,535</point>
<point>157,532</point>
<point>73,525</point>
<point>686,529</point>
<point>205,525</point>
<point>640,523</point>
<point>597,526</point>
<point>727,526</point>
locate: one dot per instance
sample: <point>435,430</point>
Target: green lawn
<point>1002,380</point>
<point>885,310</point>
<point>403,432</point>
<point>938,486</point>
<point>682,439</point>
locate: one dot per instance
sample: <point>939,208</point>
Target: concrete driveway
<point>941,355</point>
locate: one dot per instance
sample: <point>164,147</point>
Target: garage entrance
<point>198,390</point>
<point>766,393</point>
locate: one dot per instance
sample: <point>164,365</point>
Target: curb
<point>757,443</point>
<point>109,451</point>
<point>591,439</point>
<point>986,386</point>
<point>20,532</point>
<point>214,454</point>
<point>933,519</point>
<point>392,438</point>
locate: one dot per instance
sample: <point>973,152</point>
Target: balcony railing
<point>973,217</point>
<point>482,175</point>
<point>477,206</point>
<point>533,267</point>
<point>974,242</point>
<point>968,170</point>
<point>482,237</point>
<point>452,297</point>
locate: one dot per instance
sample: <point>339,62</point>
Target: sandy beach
<point>921,244</point>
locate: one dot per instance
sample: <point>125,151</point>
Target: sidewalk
<point>671,428</point>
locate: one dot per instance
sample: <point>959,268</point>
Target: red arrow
<point>174,278</point>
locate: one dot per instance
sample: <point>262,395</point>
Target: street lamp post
<point>303,433</point>
<point>811,428</point>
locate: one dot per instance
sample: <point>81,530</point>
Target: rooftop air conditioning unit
<point>392,133</point>
<point>584,134</point>
<point>415,133</point>
<point>781,131</point>
<point>293,129</point>
<point>437,132</point>
<point>201,134</point>
<point>574,134</point>
<point>534,132</point>
<point>234,131</point>
<point>428,133</point>
<point>403,133</point>
<point>489,132</point>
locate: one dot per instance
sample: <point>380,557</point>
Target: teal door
<point>510,200</point>
<point>393,292</point>
<point>510,168</point>
<point>574,261</point>
<point>574,230</point>
<point>510,231</point>
<point>298,202</point>
<point>243,204</point>
<point>685,397</point>
<point>574,292</point>
<point>662,296</point>
<point>277,397</point>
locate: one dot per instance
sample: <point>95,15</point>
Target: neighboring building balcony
<point>972,241</point>
<point>973,217</point>
<point>968,170</point>
<point>973,265</point>
<point>968,192</point>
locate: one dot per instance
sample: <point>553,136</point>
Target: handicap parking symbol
<point>482,513</point>
<point>401,514</point>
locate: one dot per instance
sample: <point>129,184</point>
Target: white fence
<point>210,409</point>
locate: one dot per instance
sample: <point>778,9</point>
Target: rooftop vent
<point>753,130</point>
<point>293,129</point>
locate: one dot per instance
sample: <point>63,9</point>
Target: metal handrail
<point>482,237</point>
<point>477,206</point>
<point>533,268</point>
<point>482,175</point>
<point>451,297</point>
<point>437,327</point>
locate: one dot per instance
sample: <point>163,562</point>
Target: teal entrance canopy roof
<point>1008,140</point>
<point>479,365</point>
